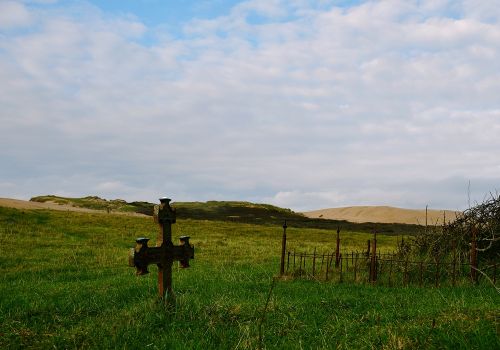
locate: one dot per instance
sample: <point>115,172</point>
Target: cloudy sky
<point>302,104</point>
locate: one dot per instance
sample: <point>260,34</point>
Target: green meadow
<point>65,284</point>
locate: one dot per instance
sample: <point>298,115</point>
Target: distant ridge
<point>384,214</point>
<point>185,210</point>
<point>232,211</point>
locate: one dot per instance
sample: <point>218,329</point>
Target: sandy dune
<point>383,214</point>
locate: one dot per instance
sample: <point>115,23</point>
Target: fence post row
<point>419,271</point>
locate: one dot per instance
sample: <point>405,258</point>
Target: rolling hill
<point>360,219</point>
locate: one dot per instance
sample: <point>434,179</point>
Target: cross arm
<point>142,255</point>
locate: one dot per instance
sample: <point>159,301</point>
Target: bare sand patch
<point>383,214</point>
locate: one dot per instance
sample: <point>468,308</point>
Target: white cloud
<point>268,8</point>
<point>310,108</point>
<point>488,11</point>
<point>13,15</point>
<point>40,1</point>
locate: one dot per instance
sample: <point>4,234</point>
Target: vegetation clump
<point>484,219</point>
<point>480,223</point>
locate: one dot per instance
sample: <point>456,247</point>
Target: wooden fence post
<point>355,263</point>
<point>300,265</point>
<point>305,257</point>
<point>347,263</point>
<point>283,250</point>
<point>380,264</point>
<point>337,249</point>
<point>326,273</point>
<point>373,265</point>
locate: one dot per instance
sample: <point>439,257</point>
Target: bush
<point>482,219</point>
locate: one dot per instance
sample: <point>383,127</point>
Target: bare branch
<point>487,278</point>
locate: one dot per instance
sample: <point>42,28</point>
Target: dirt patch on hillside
<point>383,214</point>
<point>21,204</point>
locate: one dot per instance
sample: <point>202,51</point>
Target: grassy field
<point>65,283</point>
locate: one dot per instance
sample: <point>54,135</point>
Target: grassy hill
<point>233,211</point>
<point>65,283</point>
<point>97,203</point>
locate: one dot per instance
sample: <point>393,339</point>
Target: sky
<point>301,104</point>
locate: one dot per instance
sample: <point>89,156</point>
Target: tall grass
<point>65,283</point>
